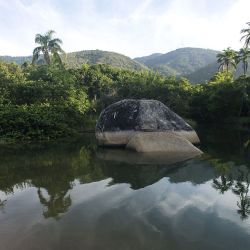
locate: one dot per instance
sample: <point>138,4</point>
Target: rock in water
<point>162,142</point>
<point>119,122</point>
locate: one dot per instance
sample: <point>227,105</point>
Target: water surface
<point>72,195</point>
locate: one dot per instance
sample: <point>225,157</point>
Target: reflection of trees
<point>52,169</point>
<point>241,189</point>
<point>223,183</point>
<point>2,204</point>
<point>56,204</point>
<point>62,172</point>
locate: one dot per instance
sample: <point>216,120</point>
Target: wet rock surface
<point>162,142</point>
<point>140,115</point>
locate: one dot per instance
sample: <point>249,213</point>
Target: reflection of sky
<point>117,217</point>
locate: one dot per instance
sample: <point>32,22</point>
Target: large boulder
<point>119,122</point>
<point>161,142</point>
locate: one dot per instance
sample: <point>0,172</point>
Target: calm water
<point>72,195</point>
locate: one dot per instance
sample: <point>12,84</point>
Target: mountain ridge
<point>196,64</point>
<point>77,58</point>
<point>180,62</point>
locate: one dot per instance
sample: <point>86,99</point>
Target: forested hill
<point>16,59</point>
<point>205,73</point>
<point>102,57</point>
<point>196,64</point>
<point>75,59</point>
<point>180,62</point>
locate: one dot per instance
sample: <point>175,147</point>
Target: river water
<point>73,195</point>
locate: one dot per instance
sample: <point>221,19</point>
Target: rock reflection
<point>130,157</point>
<point>55,168</point>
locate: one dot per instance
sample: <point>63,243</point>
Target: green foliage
<point>48,101</point>
<point>222,77</point>
<point>221,99</point>
<point>243,56</point>
<point>227,59</point>
<point>10,73</point>
<point>49,47</point>
<point>246,35</point>
<point>40,102</point>
<point>35,121</point>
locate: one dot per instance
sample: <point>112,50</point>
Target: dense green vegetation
<point>197,65</point>
<point>181,62</point>
<point>50,100</point>
<point>39,102</point>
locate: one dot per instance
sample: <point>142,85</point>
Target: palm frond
<point>56,41</point>
<point>39,39</point>
<point>49,33</point>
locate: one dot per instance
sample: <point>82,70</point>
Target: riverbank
<point>242,124</point>
<point>48,102</point>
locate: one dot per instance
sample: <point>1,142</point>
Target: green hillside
<point>16,59</point>
<point>75,59</point>
<point>196,64</point>
<point>203,74</point>
<point>180,62</point>
<point>145,59</point>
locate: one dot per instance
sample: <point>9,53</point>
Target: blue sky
<point>131,27</point>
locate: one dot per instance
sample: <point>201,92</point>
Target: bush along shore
<point>41,102</point>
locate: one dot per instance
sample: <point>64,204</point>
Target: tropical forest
<point>54,95</point>
<point>125,125</point>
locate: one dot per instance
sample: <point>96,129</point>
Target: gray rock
<point>119,122</point>
<point>162,142</point>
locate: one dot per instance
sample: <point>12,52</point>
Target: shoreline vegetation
<point>44,102</point>
<point>45,99</point>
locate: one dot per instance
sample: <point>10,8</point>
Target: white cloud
<point>130,27</point>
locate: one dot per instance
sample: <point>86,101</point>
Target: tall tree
<point>48,46</point>
<point>243,56</point>
<point>227,59</point>
<point>246,35</point>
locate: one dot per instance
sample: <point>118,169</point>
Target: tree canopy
<point>49,46</point>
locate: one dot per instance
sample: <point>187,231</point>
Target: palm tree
<point>227,59</point>
<point>243,56</point>
<point>48,46</point>
<point>246,35</point>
